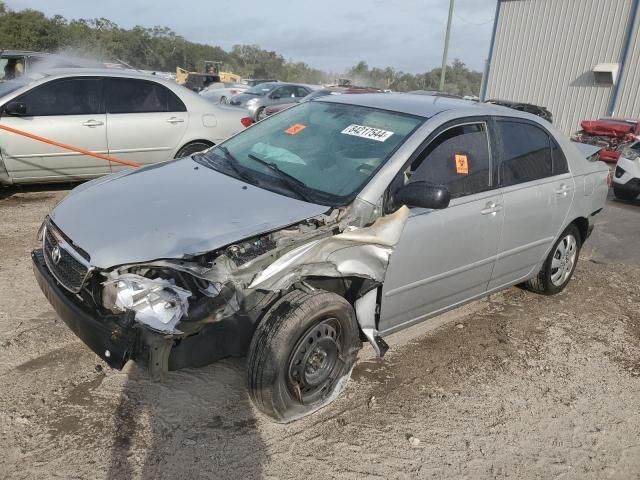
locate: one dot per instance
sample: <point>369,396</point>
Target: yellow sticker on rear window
<point>462,164</point>
<point>295,129</point>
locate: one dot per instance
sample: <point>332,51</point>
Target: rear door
<point>145,120</point>
<point>445,257</point>
<point>537,189</point>
<point>69,111</point>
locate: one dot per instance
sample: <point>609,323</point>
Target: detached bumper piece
<point>632,186</point>
<point>109,340</point>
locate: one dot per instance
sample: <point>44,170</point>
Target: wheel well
<point>583,227</point>
<point>207,142</point>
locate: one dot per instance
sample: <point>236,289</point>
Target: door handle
<point>563,190</point>
<point>92,123</point>
<point>176,120</point>
<point>491,208</point>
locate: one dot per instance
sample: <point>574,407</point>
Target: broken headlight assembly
<point>157,303</point>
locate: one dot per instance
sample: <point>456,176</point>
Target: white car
<point>127,115</point>
<point>221,92</point>
<point>626,179</point>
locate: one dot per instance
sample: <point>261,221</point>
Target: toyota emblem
<point>56,255</point>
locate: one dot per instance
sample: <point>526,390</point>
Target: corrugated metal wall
<point>628,103</point>
<point>545,50</point>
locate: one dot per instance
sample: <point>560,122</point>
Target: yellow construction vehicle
<point>200,80</point>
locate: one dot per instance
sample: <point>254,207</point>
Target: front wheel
<point>302,354</point>
<point>261,114</point>
<point>560,264</point>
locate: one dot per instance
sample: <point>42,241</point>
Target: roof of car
<point>20,53</point>
<point>421,105</point>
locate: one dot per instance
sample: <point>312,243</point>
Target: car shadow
<point>196,423</point>
<point>10,191</point>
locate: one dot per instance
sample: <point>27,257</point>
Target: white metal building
<point>578,58</point>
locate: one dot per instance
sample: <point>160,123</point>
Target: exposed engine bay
<point>174,302</point>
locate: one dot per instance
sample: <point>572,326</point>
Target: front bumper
<point>632,186</point>
<point>117,338</point>
<point>102,334</point>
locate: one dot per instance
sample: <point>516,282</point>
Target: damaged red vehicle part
<point>610,133</point>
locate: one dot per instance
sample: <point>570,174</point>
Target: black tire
<point>223,100</point>
<point>544,282</point>
<point>260,114</point>
<point>191,148</point>
<point>624,194</point>
<point>302,354</point>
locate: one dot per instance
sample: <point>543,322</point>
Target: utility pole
<point>446,46</point>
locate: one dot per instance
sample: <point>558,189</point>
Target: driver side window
<point>458,159</point>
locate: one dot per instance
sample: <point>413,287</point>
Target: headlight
<point>157,303</point>
<point>40,234</point>
<point>252,101</point>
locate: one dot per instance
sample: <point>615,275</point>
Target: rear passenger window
<point>458,159</point>
<point>125,95</point>
<point>75,96</point>
<point>524,151</point>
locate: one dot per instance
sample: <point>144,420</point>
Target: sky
<point>332,35</point>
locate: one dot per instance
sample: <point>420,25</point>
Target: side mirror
<point>423,195</point>
<point>15,108</point>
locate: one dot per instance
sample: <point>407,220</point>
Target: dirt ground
<point>515,386</point>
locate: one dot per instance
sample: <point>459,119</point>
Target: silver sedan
<point>340,219</point>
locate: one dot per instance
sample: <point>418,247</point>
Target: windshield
<point>328,150</point>
<point>261,89</point>
<point>8,86</point>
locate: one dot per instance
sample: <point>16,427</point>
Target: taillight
<point>246,122</point>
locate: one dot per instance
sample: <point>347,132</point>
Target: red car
<point>318,93</point>
<point>610,133</point>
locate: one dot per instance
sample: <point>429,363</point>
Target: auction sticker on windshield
<point>367,132</point>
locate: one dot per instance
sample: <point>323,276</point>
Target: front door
<point>446,257</point>
<point>145,121</point>
<point>537,189</point>
<point>68,111</point>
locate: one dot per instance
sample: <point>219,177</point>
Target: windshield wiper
<point>297,186</point>
<point>232,163</point>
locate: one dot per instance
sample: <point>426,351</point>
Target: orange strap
<point>68,147</point>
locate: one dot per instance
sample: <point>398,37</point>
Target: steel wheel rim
<point>564,260</point>
<point>315,361</point>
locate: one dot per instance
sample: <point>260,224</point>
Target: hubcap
<point>315,361</point>
<point>564,259</point>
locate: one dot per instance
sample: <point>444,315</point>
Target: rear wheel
<point>302,354</point>
<point>560,264</point>
<point>191,148</point>
<point>624,194</point>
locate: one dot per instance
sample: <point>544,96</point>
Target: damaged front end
<point>192,311</point>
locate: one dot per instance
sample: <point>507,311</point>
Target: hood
<point>243,98</point>
<point>170,210</point>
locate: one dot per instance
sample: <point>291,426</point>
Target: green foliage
<point>459,79</point>
<point>159,48</point>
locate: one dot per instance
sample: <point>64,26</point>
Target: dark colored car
<point>270,110</point>
<point>541,112</point>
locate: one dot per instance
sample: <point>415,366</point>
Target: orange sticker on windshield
<point>462,164</point>
<point>295,129</point>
